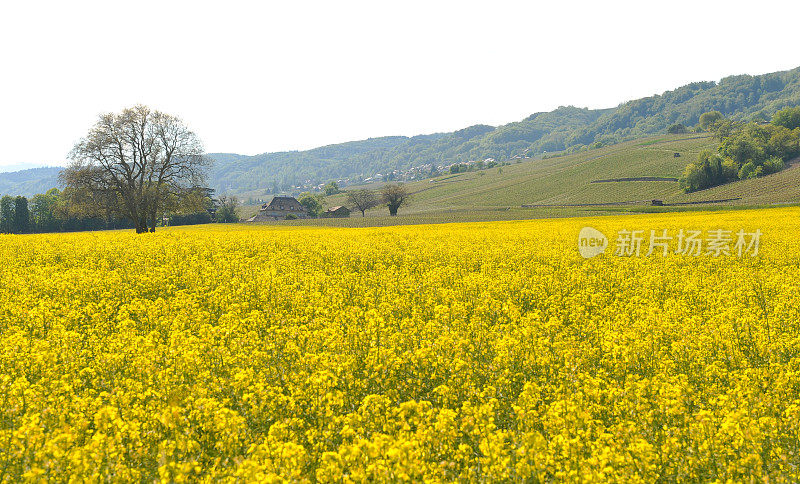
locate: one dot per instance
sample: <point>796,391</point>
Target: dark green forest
<point>741,98</point>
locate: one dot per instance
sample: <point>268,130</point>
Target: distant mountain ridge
<point>29,182</point>
<point>566,128</point>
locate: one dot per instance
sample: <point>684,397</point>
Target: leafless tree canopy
<point>136,164</point>
<point>362,199</point>
<point>394,196</point>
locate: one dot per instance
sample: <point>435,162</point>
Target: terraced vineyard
<point>563,185</point>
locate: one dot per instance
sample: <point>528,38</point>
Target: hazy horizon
<point>251,79</point>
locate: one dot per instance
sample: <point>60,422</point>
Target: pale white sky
<point>251,77</point>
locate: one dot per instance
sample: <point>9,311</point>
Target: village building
<point>279,208</point>
<point>337,212</point>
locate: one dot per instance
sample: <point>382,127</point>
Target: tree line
<point>48,212</point>
<point>746,150</point>
<point>51,212</point>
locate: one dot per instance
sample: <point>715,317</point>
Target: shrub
<point>748,170</point>
<point>773,165</point>
<point>677,128</point>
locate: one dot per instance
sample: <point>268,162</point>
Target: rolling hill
<point>573,184</point>
<point>566,129</point>
<point>29,182</point>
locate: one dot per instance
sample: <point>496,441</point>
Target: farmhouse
<point>279,208</point>
<point>337,212</point>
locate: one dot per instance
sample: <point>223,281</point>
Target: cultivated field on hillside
<point>563,185</point>
<point>485,351</point>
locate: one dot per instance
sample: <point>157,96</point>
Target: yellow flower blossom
<point>472,352</point>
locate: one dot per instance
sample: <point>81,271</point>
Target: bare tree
<point>135,164</point>
<point>362,199</point>
<point>394,196</point>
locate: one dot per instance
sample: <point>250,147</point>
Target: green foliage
<point>331,188</point>
<point>51,212</point>
<point>773,165</point>
<point>709,170</point>
<point>7,214</point>
<point>537,189</point>
<point>312,203</point>
<point>748,149</point>
<point>226,210</point>
<point>21,220</point>
<point>724,128</point>
<point>48,212</point>
<point>566,129</point>
<point>44,206</point>
<point>677,128</point>
<point>29,182</point>
<point>788,118</point>
<point>742,148</point>
<point>708,119</point>
<point>190,218</point>
<point>749,170</point>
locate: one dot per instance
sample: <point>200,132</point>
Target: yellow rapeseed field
<point>474,352</point>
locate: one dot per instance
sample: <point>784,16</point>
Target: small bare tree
<point>362,199</point>
<point>394,196</point>
<point>136,164</point>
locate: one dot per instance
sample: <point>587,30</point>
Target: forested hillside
<point>743,97</point>
<point>740,97</point>
<point>29,182</point>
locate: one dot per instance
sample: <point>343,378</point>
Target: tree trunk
<point>137,223</point>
